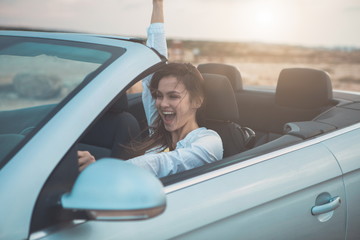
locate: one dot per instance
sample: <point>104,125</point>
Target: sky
<point>318,23</point>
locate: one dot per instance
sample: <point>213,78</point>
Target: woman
<point>171,98</point>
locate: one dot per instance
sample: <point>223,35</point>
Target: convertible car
<point>291,154</point>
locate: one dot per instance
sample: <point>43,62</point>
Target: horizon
<point>336,47</point>
<point>284,22</point>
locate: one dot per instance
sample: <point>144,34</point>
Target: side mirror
<point>111,189</point>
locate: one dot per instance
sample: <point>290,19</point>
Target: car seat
<point>229,71</point>
<point>301,95</point>
<point>304,88</point>
<point>220,113</point>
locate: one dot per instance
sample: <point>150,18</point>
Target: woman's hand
<point>157,1</point>
<point>84,159</point>
<point>157,12</point>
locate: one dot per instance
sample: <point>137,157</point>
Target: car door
<point>270,199</point>
<point>267,197</point>
<point>345,148</point>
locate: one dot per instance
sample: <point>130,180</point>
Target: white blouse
<point>199,147</point>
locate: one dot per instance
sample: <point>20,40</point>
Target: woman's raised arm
<point>157,40</point>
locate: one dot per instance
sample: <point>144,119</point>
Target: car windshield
<point>36,75</point>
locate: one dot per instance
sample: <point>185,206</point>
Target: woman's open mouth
<point>168,116</point>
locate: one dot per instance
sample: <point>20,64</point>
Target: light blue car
<point>291,171</point>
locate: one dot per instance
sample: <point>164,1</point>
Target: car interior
<point>112,132</point>
<point>302,106</point>
<point>250,121</point>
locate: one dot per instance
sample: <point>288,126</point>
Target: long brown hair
<point>159,137</point>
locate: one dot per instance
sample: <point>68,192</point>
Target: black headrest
<point>220,102</point>
<point>303,88</point>
<point>231,72</point>
<point>120,105</point>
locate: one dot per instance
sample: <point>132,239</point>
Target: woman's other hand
<point>157,12</point>
<point>84,159</point>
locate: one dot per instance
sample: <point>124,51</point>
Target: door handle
<point>333,204</point>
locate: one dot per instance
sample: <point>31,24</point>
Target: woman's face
<point>174,104</point>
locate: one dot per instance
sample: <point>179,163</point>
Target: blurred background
<point>260,37</point>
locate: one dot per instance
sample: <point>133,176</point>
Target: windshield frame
<point>115,52</point>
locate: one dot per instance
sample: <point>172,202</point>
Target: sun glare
<point>262,20</point>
